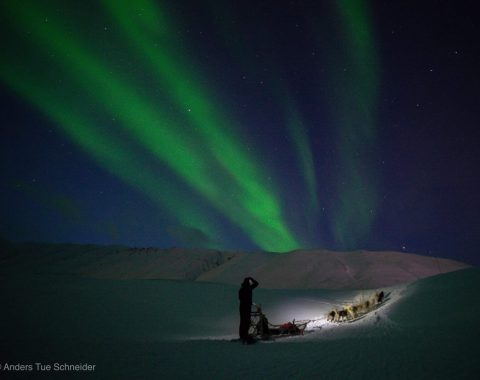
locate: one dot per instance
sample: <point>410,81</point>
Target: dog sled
<point>356,311</point>
<point>262,329</point>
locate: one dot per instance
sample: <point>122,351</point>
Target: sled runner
<point>262,329</point>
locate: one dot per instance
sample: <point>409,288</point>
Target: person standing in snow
<point>245,297</point>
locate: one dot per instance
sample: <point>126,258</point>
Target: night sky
<point>244,125</point>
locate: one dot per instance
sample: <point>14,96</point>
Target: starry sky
<point>252,125</point>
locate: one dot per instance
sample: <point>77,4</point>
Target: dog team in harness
<point>254,324</point>
<point>353,312</point>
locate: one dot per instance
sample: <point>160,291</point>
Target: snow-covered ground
<point>167,329</point>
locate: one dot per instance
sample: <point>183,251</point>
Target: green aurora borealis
<point>144,104</point>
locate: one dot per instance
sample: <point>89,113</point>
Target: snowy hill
<point>330,269</point>
<point>295,270</point>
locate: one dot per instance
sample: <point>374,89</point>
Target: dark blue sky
<point>359,118</point>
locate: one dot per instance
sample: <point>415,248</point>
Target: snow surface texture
<point>295,270</point>
<point>166,329</point>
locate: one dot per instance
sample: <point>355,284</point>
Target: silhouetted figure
<point>245,297</point>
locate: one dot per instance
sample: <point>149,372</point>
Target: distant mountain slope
<point>331,270</point>
<point>298,269</point>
